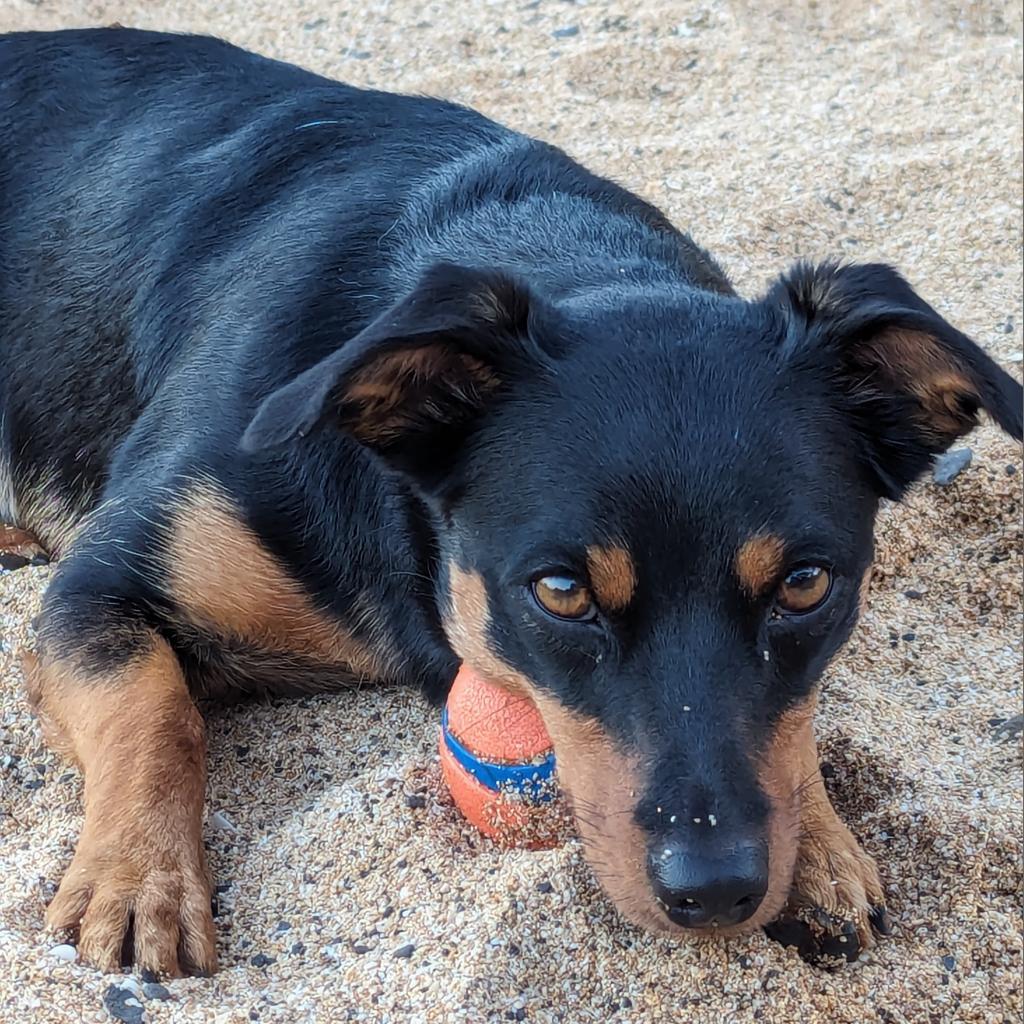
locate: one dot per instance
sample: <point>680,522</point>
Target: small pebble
<point>404,952</point>
<point>154,990</point>
<point>415,801</point>
<point>545,887</point>
<point>132,986</point>
<point>64,952</point>
<point>949,963</point>
<point>262,960</point>
<point>221,821</point>
<point>1009,729</point>
<point>949,466</point>
<point>122,1005</point>
<point>566,33</point>
<point>914,595</point>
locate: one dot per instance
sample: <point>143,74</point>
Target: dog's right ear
<point>413,383</point>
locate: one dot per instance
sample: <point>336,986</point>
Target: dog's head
<point>655,509</point>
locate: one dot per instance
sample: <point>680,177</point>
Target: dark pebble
<point>545,887</point>
<point>283,926</point>
<point>1011,469</point>
<point>909,636</point>
<point>361,949</point>
<point>33,784</point>
<point>147,977</point>
<point>403,863</point>
<point>827,770</point>
<point>298,948</point>
<point>254,1014</point>
<point>154,990</point>
<point>241,750</point>
<point>1008,327</point>
<point>1010,729</point>
<point>914,595</point>
<point>415,801</point>
<point>746,962</point>
<point>262,960</point>
<point>949,963</point>
<point>116,1001</point>
<point>566,33</point>
<point>404,952</point>
<point>949,466</point>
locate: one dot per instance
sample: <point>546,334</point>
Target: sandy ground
<point>855,129</point>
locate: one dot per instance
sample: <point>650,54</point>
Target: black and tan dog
<point>305,385</point>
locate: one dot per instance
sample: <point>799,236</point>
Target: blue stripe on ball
<point>531,780</point>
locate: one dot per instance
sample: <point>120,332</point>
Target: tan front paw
<point>149,902</point>
<point>836,904</point>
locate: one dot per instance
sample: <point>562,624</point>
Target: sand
<point>852,129</point>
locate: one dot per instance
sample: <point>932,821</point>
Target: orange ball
<point>498,762</point>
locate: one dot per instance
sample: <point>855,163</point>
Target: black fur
<point>206,256</point>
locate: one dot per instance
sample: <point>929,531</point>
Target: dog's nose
<point>701,889</point>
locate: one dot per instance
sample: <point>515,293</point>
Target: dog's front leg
<point>837,901</point>
<point>139,869</point>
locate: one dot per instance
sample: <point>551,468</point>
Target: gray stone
<point>122,1005</point>
<point>949,466</point>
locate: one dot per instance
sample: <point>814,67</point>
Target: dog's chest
<point>241,620</point>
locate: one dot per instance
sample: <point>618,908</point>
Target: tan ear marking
<point>916,362</point>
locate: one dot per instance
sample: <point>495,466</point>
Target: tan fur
<point>612,575</point>
<point>388,390</point>
<point>759,562</point>
<point>917,362</point>
<point>228,582</point>
<point>864,593</point>
<point>139,741</point>
<point>603,781</point>
<point>19,543</point>
<point>831,872</point>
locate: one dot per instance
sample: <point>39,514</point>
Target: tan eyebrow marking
<point>759,562</point>
<point>613,575</point>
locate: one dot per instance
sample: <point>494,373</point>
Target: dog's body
<point>306,385</point>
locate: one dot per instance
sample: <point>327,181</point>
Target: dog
<point>305,385</point>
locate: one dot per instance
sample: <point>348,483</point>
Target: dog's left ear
<point>911,382</point>
<point>413,383</point>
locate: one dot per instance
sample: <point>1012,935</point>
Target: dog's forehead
<point>679,454</point>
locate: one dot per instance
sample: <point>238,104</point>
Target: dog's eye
<point>803,589</point>
<point>564,597</point>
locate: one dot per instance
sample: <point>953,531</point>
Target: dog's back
<point>181,218</point>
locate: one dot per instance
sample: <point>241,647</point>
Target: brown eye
<point>564,598</point>
<point>803,589</point>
